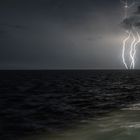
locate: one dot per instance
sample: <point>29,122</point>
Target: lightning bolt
<point>124,48</point>
<point>135,39</point>
<point>132,50</point>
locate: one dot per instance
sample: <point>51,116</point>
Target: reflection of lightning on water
<point>135,39</point>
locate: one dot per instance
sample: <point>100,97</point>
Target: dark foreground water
<point>69,105</point>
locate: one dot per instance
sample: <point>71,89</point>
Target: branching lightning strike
<point>124,48</point>
<point>133,36</point>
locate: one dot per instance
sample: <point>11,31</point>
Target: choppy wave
<point>32,102</point>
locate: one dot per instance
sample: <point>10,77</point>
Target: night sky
<point>62,34</point>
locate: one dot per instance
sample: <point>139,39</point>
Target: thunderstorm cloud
<point>60,34</point>
<point>133,20</point>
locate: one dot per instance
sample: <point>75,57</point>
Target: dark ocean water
<point>37,102</point>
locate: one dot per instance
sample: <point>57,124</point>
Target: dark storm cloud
<point>138,10</point>
<point>58,33</point>
<point>3,34</point>
<point>5,25</point>
<point>132,21</point>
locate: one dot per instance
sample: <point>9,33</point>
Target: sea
<point>69,105</point>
